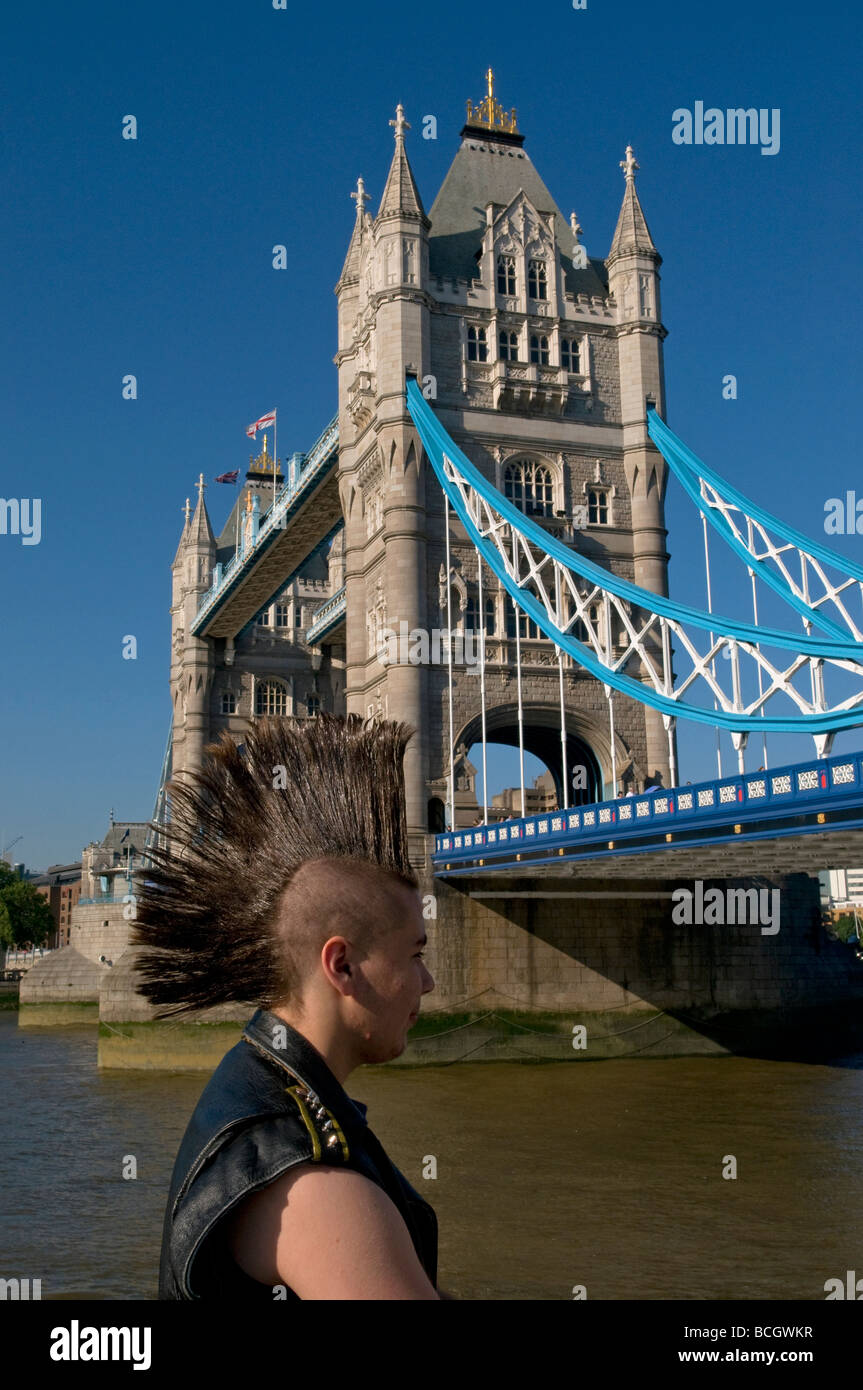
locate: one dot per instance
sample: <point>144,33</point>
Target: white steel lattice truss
<point>616,633</point>
<point>793,565</point>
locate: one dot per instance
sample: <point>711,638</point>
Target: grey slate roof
<point>486,171</point>
<point>114,839</point>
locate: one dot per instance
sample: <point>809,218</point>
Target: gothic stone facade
<point>539,361</point>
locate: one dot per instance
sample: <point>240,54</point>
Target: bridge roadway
<point>795,819</point>
<point>306,513</point>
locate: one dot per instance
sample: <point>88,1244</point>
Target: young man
<point>287,883</point>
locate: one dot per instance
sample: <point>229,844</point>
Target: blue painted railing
<point>614,826</point>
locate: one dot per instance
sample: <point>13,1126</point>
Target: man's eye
<point>420,955</point>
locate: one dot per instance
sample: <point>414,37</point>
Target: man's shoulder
<point>257,1114</point>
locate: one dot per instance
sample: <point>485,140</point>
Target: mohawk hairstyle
<point>292,792</point>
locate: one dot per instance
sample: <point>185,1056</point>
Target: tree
<point>845,926</point>
<point>29,917</point>
<point>5,926</point>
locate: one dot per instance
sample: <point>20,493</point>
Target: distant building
<point>60,885</point>
<point>841,891</point>
<point>108,868</point>
<point>96,926</point>
<point>538,798</point>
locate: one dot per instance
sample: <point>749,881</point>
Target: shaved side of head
<point>352,898</point>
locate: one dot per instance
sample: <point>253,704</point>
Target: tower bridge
<point>499,462</point>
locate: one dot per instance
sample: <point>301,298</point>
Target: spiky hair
<point>292,792</point>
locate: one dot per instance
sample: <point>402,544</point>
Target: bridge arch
<point>588,744</point>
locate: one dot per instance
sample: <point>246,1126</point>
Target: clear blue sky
<point>153,257</point>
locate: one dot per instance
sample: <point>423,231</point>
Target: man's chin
<point>381,1051</point>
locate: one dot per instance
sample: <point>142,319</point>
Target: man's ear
<point>334,962</point>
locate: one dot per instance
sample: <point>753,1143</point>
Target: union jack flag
<point>229,477</point>
<point>269,419</point>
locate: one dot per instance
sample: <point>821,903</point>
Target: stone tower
<point>191,657</point>
<point>539,360</point>
<point>633,278</point>
<point>384,311</point>
<point>264,666</point>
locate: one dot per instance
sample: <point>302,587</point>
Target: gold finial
<point>489,113</point>
<point>264,450</point>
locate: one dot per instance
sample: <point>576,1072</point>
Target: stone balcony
<point>525,385</point>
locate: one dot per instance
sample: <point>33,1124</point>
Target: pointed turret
<point>401,197</point>
<point>351,268</point>
<point>200,530</point>
<point>187,512</point>
<point>632,232</point>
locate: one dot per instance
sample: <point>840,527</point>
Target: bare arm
<point>328,1233</point>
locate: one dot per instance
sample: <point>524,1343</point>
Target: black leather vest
<point>271,1103</point>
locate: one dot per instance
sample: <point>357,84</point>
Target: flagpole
<point>275,454</point>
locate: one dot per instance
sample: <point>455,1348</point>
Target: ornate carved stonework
<point>361,398</point>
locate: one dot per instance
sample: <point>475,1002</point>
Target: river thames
<point>550,1176</point>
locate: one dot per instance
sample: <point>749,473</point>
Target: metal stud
<point>332,1141</point>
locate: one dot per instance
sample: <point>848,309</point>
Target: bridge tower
<point>633,279</point>
<point>383,320</point>
<point>538,360</point>
<point>192,663</point>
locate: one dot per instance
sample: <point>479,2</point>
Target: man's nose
<point>428,983</point>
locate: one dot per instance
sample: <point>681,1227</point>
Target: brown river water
<point>606,1175</point>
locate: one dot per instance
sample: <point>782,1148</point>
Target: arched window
<point>528,486</point>
<point>537,280</point>
<point>526,626</point>
<point>271,697</point>
<point>506,275</point>
<point>597,506</point>
<point>283,614</point>
<point>508,346</point>
<point>313,706</point>
<point>477,346</point>
<point>229,702</point>
<point>569,354</point>
<point>539,350</point>
<point>472,615</point>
